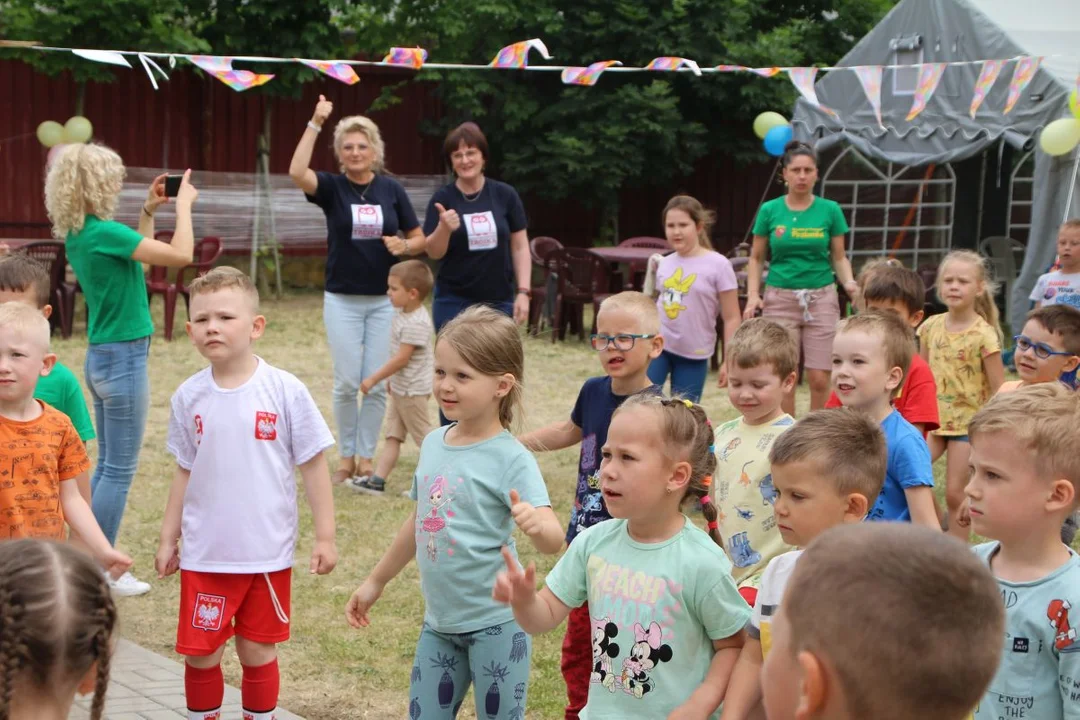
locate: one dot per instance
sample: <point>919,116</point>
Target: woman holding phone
<point>81,191</point>
<point>365,212</point>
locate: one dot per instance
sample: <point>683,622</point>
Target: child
<point>627,340</point>
<point>1025,473</point>
<point>695,285</point>
<point>238,428</point>
<point>410,367</point>
<point>45,462</point>
<point>1061,286</point>
<point>762,360</point>
<point>667,619</point>
<point>57,625</point>
<point>25,280</point>
<point>871,355</point>
<point>883,621</point>
<point>1048,348</point>
<point>473,483</point>
<point>963,348</point>
<point>827,470</point>
<point>892,287</point>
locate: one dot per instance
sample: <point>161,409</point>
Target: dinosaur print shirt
<point>689,301</point>
<point>744,495</point>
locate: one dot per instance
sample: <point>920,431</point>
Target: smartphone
<point>172,185</point>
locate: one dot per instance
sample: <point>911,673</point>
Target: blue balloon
<point>776,139</point>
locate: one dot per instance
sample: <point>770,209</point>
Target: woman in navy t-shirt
<point>477,228</point>
<point>365,212</point>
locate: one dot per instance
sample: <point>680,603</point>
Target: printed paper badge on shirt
<point>265,425</point>
<point>481,230</point>
<point>367,222</point>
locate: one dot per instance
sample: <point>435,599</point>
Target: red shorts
<point>216,606</point>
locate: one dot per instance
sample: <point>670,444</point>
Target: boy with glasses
<point>627,340</point>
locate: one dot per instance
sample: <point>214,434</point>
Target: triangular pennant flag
<point>929,77</point>
<point>221,68</point>
<point>768,72</point>
<point>103,56</point>
<point>990,71</point>
<point>870,79</point>
<point>407,57</point>
<point>340,71</point>
<point>671,64</point>
<point>803,80</point>
<point>1022,75</point>
<point>147,64</point>
<point>586,75</point>
<point>731,68</point>
<point>516,56</point>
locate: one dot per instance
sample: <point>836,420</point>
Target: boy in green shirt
<point>25,280</point>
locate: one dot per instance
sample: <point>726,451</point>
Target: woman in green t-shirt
<point>81,191</point>
<point>804,237</point>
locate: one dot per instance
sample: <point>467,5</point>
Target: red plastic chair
<point>539,247</point>
<point>53,256</point>
<point>582,278</point>
<point>206,253</point>
<point>646,242</point>
<point>638,270</point>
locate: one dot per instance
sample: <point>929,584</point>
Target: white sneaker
<point>128,585</point>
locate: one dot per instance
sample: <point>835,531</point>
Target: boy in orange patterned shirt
<point>41,455</point>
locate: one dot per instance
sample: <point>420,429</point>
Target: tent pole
<point>1072,185</point>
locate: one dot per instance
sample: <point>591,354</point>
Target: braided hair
<point>686,427</point>
<point>57,620</point>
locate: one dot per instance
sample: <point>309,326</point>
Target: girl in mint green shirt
<point>667,618</point>
<point>803,236</point>
<point>82,189</point>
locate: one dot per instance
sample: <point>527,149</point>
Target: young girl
<point>694,285</point>
<point>56,630</point>
<point>963,347</point>
<point>473,482</point>
<point>666,615</point>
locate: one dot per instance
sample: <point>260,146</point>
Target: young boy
<point>25,280</point>
<point>884,621</point>
<point>44,461</point>
<point>1025,472</point>
<point>762,360</point>
<point>1062,286</point>
<point>871,354</point>
<point>410,369</point>
<point>898,290</point>
<point>828,470</point>
<point>238,428</point>
<point>627,339</point>
<point>1048,348</point>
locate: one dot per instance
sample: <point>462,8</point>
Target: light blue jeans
<point>118,380</point>
<point>358,331</point>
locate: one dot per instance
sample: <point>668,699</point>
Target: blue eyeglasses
<point>1041,350</point>
<point>623,342</point>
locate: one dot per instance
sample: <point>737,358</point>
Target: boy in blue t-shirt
<point>1025,477</point>
<point>627,340</point>
<point>871,355</point>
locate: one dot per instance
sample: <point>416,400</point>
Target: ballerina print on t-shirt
<point>434,522</point>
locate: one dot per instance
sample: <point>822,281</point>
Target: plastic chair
<point>646,242</point>
<point>582,278</point>
<point>542,295</point>
<point>206,253</point>
<point>1003,253</point>
<point>54,257</point>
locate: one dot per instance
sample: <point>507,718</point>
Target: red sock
<point>259,690</point>
<point>204,688</point>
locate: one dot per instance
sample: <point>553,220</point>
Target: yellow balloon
<point>766,121</point>
<point>50,133</point>
<point>1060,136</point>
<point>78,130</point>
<point>1074,104</point>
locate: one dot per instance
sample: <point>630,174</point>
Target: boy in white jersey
<point>238,429</point>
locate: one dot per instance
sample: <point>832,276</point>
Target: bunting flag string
<point>409,57</point>
<point>989,74</point>
<point>870,79</point>
<point>103,56</point>
<point>929,77</point>
<point>672,64</point>
<point>1025,70</point>
<point>803,80</point>
<point>147,64</point>
<point>516,56</point>
<point>221,68</point>
<point>586,75</point>
<point>338,70</point>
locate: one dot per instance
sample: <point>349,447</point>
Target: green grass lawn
<point>329,671</point>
